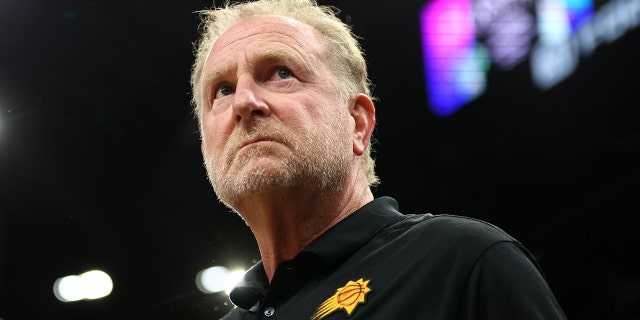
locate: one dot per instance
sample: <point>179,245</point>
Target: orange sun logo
<point>347,298</point>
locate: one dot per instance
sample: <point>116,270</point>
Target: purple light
<point>448,44</point>
<point>580,11</point>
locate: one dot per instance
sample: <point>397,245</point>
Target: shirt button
<point>269,311</point>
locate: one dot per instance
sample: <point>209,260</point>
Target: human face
<point>273,116</point>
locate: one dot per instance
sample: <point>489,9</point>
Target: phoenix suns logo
<point>346,298</point>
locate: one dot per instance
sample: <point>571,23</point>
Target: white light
<point>212,279</point>
<point>68,289</point>
<point>232,279</point>
<point>90,285</point>
<point>96,284</point>
<point>218,278</point>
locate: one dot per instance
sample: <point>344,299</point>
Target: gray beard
<point>319,160</point>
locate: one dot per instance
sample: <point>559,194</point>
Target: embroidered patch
<point>347,298</point>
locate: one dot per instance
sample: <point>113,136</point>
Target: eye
<point>223,90</point>
<point>283,73</point>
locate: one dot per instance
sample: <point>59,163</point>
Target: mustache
<point>259,130</point>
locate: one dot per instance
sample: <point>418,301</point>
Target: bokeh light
<point>217,279</point>
<point>232,279</point>
<point>90,285</point>
<point>211,280</point>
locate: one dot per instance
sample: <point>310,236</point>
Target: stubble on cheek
<point>232,173</point>
<point>317,157</point>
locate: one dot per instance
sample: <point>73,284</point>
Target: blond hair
<point>344,54</point>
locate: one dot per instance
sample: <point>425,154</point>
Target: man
<point>282,96</point>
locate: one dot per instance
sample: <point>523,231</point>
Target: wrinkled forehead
<point>273,28</point>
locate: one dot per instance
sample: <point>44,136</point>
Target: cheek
<point>214,134</point>
<point>317,109</point>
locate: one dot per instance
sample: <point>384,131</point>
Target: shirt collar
<point>349,235</point>
<point>354,231</point>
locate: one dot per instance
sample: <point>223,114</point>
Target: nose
<point>248,100</point>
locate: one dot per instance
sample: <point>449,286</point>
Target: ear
<point>364,115</point>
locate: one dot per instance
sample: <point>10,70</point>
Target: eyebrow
<point>274,54</point>
<point>270,56</point>
<point>294,59</point>
<point>211,76</point>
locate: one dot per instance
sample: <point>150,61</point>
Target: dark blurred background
<point>100,165</point>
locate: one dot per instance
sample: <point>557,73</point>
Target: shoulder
<point>458,242</point>
<point>451,227</point>
<point>466,227</point>
<point>447,235</point>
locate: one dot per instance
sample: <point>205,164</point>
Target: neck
<point>285,221</point>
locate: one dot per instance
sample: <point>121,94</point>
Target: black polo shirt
<point>381,264</point>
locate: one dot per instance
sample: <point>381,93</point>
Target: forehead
<point>267,29</point>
